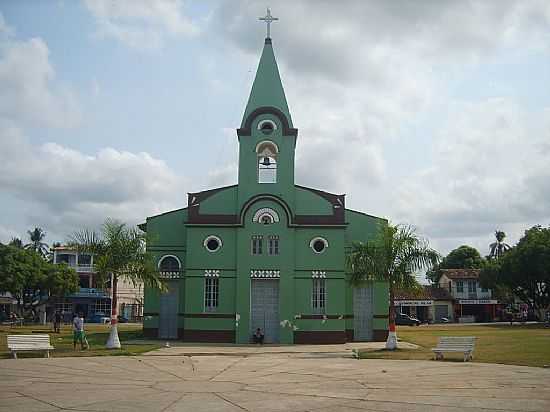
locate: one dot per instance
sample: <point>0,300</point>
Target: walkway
<point>322,382</point>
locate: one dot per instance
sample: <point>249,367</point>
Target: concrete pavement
<point>321,381</point>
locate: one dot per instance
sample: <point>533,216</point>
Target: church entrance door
<point>264,308</point>
<point>362,313</point>
<point>168,315</point>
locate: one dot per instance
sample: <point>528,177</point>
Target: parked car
<point>99,317</point>
<point>402,319</point>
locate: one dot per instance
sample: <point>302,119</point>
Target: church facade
<point>264,253</point>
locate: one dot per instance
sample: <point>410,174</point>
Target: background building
<point>472,303</point>
<point>430,305</point>
<point>94,297</point>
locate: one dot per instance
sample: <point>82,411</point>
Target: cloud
<point>141,24</point>
<point>69,190</point>
<point>30,93</point>
<point>489,171</point>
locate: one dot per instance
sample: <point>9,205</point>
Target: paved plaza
<point>326,381</point>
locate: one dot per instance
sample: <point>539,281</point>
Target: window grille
<point>273,245</point>
<point>211,286</point>
<point>64,307</point>
<point>101,306</point>
<point>257,245</point>
<point>459,286</point>
<point>169,264</point>
<point>472,286</point>
<point>319,296</point>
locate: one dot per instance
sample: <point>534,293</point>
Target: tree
<point>497,249</point>
<point>463,257</point>
<point>525,269</point>
<point>30,280</point>
<point>37,235</point>
<point>16,242</point>
<point>119,252</point>
<point>395,255</point>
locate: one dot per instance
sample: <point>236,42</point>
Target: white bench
<point>26,343</point>
<point>462,344</point>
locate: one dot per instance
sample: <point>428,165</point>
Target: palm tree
<point>119,252</point>
<point>37,235</point>
<point>394,256</point>
<point>497,249</point>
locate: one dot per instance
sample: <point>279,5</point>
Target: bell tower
<point>267,138</point>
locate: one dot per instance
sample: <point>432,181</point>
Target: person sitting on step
<point>258,336</point>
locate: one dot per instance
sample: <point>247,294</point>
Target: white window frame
<point>211,293</point>
<point>212,237</point>
<point>319,296</point>
<point>314,240</point>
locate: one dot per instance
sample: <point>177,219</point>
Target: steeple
<point>267,89</point>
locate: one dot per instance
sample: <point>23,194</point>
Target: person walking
<point>57,322</point>
<point>78,332</point>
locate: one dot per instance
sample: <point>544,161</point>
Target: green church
<point>265,253</point>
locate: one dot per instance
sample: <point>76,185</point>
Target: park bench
<point>462,344</point>
<point>26,343</point>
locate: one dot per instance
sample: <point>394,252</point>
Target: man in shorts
<point>78,332</point>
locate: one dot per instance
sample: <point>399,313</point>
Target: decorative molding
<point>265,211</point>
<point>171,274</point>
<point>316,274</point>
<point>265,274</point>
<point>208,315</point>
<point>246,130</point>
<point>261,123</point>
<point>212,273</point>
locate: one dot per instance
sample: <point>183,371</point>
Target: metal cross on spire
<point>268,19</point>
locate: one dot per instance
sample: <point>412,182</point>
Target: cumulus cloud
<point>69,189</point>
<point>360,75</point>
<point>489,170</point>
<point>30,93</point>
<point>141,24</point>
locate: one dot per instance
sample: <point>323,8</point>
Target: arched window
<point>169,264</point>
<point>267,162</point>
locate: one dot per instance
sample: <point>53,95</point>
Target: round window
<point>267,126</point>
<point>212,243</point>
<point>318,244</point>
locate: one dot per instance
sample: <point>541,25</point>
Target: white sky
<point>428,112</point>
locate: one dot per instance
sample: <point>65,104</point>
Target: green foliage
<point>31,280</point>
<point>118,250</point>
<point>525,269</point>
<point>16,242</point>
<point>463,257</point>
<point>395,256</point>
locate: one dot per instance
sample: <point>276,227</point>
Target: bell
<point>266,161</point>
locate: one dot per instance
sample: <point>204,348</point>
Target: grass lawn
<point>63,342</point>
<point>527,345</point>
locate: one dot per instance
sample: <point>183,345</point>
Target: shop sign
<point>414,302</point>
<point>477,301</point>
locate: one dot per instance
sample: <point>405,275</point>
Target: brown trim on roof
<point>246,130</point>
<point>336,219</point>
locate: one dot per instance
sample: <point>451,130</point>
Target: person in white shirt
<point>78,332</point>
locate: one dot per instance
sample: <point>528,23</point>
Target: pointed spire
<point>267,89</point>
